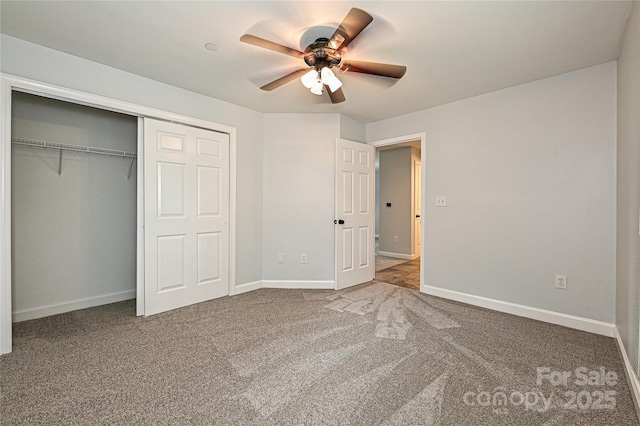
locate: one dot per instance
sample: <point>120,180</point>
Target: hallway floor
<point>404,274</point>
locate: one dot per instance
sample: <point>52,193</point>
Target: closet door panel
<point>172,143</point>
<point>171,190</point>
<point>209,257</point>
<point>209,191</point>
<point>186,215</point>
<point>171,262</point>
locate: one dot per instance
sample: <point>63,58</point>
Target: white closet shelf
<point>75,148</point>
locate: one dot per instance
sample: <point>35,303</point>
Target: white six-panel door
<point>355,192</point>
<point>186,215</point>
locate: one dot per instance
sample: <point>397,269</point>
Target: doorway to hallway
<point>399,200</point>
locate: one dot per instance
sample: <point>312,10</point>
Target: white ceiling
<point>452,49</point>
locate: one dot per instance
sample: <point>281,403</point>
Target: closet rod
<point>75,148</point>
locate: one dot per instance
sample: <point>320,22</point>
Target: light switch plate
<point>441,201</point>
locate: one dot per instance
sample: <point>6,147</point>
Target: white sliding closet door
<point>186,178</point>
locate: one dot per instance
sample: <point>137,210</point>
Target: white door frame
<point>422,137</point>
<point>10,83</point>
<point>417,243</point>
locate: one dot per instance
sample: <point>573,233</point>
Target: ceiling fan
<point>326,53</point>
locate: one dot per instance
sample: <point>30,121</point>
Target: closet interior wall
<point>73,234</point>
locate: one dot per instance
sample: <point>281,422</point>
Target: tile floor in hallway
<point>398,272</point>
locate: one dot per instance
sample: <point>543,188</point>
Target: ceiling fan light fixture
<point>330,79</point>
<point>325,53</point>
<point>317,87</point>
<point>309,79</point>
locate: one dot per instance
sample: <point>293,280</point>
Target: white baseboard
<point>398,255</point>
<point>74,305</point>
<point>633,381</point>
<point>243,288</point>
<point>299,284</point>
<point>292,284</point>
<point>571,321</point>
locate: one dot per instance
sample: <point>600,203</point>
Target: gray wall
<point>628,186</point>
<point>352,129</point>
<point>529,175</point>
<point>29,60</point>
<point>395,188</point>
<point>74,235</point>
<point>299,169</point>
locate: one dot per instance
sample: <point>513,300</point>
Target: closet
<point>73,198</point>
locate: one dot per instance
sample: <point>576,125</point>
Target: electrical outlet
<point>441,201</point>
<point>395,239</point>
<point>561,282</point>
<point>280,257</point>
<point>303,258</point>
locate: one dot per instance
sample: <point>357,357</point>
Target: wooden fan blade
<point>284,80</point>
<point>352,25</point>
<point>385,70</point>
<point>266,44</point>
<point>337,96</point>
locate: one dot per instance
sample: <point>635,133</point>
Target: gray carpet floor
<point>373,354</point>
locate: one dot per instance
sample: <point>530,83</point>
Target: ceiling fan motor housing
<point>319,55</point>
